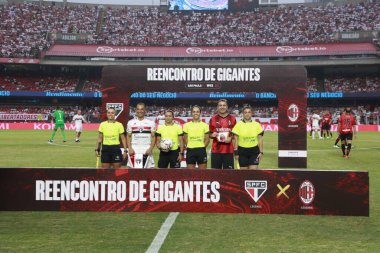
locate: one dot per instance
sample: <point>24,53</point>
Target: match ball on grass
<point>166,145</point>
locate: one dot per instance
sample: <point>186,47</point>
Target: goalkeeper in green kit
<point>59,118</point>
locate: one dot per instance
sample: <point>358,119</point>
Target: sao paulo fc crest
<point>256,188</point>
<point>119,107</point>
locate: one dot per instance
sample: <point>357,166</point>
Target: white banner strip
<point>292,153</point>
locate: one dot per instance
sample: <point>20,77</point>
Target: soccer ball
<point>222,137</point>
<point>166,145</point>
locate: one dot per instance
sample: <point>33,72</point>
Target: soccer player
<point>326,125</point>
<point>173,132</point>
<point>338,130</point>
<point>78,119</point>
<point>345,125</point>
<point>315,121</point>
<point>140,139</point>
<point>310,122</point>
<point>222,150</point>
<point>248,144</point>
<point>196,138</point>
<point>59,120</point>
<point>108,142</point>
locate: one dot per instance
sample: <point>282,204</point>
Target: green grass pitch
<point>192,232</point>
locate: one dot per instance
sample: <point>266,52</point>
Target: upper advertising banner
<point>5,93</point>
<point>219,51</point>
<point>184,190</point>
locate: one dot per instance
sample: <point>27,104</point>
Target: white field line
<point>157,242</point>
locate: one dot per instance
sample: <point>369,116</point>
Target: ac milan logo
<point>306,192</point>
<point>293,112</point>
<point>119,107</point>
<point>256,188</point>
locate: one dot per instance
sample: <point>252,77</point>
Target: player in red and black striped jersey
<point>346,128</point>
<point>221,125</point>
<point>326,125</point>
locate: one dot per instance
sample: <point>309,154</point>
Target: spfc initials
<point>119,107</point>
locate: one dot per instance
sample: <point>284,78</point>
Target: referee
<point>196,137</point>
<point>173,132</point>
<point>248,141</point>
<point>110,133</point>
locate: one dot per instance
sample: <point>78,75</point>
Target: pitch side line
<point>157,242</point>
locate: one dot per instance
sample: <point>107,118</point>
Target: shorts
<point>344,137</point>
<point>196,156</point>
<point>222,161</point>
<point>62,126</point>
<point>169,158</point>
<point>248,156</point>
<point>135,163</point>
<point>78,129</point>
<point>326,127</point>
<point>315,128</point>
<point>111,154</point>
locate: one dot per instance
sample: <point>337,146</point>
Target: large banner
<point>185,190</point>
<point>289,83</point>
<point>210,51</point>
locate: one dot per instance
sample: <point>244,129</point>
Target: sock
<point>313,134</point>
<point>336,141</point>
<point>53,134</point>
<point>64,135</point>
<point>348,148</point>
<point>343,146</point>
<point>331,134</point>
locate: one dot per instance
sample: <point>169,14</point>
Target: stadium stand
<point>357,84</point>
<point>282,25</point>
<point>24,27</point>
<point>21,83</point>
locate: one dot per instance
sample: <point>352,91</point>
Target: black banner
<point>184,190</point>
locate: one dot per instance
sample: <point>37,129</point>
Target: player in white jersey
<point>78,119</point>
<point>315,125</point>
<point>140,139</point>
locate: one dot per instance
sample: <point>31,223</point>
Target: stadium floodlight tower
<point>288,82</point>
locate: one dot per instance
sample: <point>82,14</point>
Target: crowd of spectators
<point>92,85</point>
<point>24,27</point>
<point>21,83</point>
<point>356,84</point>
<point>282,25</point>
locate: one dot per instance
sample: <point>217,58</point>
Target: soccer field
<point>191,232</point>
